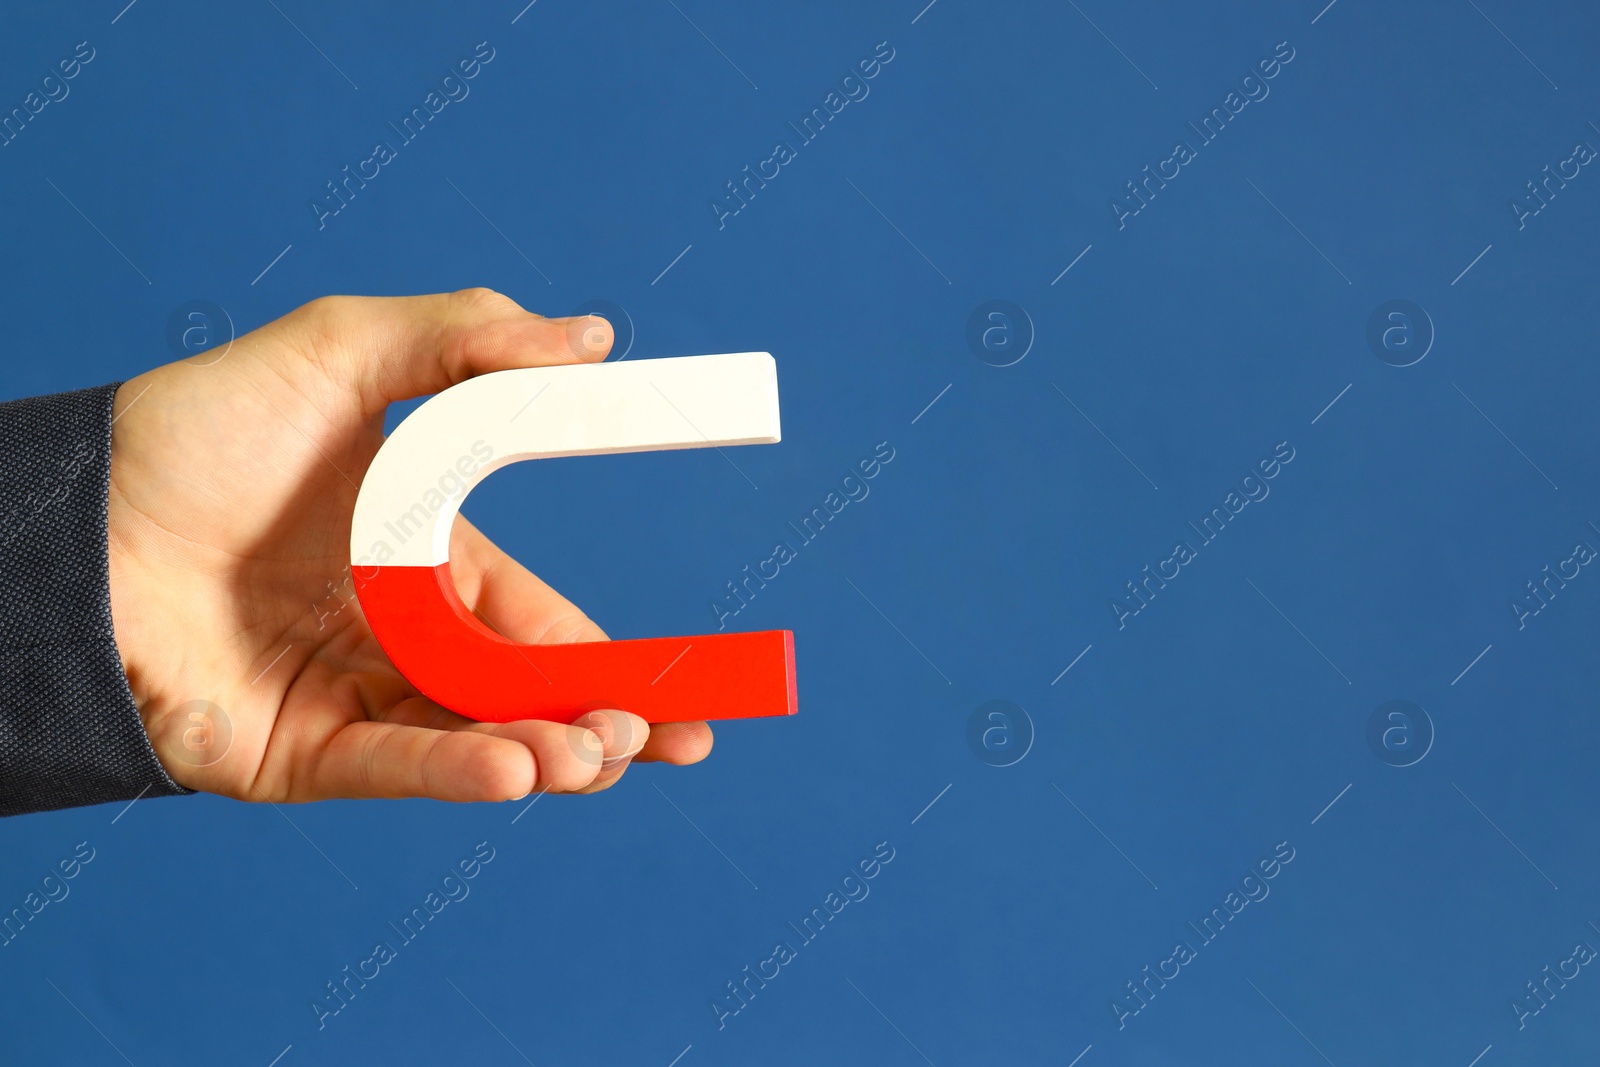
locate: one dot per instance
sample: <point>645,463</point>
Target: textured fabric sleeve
<point>70,732</point>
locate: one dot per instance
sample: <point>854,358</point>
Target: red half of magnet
<point>455,660</point>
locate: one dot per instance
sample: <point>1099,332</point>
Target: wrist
<point>124,571</point>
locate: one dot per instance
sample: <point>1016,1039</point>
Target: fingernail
<point>622,736</point>
<point>588,335</point>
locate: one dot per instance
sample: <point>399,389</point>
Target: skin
<point>233,479</point>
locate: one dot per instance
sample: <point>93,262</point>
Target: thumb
<point>396,348</point>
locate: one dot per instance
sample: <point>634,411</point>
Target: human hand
<point>233,479</point>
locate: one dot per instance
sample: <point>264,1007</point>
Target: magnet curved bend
<point>400,540</point>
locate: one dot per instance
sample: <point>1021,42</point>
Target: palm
<point>233,482</point>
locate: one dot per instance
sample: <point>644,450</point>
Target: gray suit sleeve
<point>70,732</point>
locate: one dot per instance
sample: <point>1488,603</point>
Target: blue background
<point>1221,720</point>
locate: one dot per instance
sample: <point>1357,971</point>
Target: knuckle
<point>325,311</point>
<point>498,779</point>
<point>483,299</point>
<point>322,329</point>
<point>366,760</point>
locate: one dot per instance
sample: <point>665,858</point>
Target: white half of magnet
<point>415,485</point>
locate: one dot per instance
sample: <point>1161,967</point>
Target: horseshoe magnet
<point>400,540</point>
